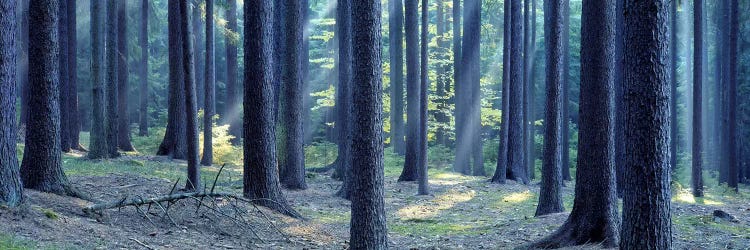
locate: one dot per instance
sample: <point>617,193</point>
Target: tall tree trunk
<point>594,217</point>
<point>526,83</point>
<point>198,45</point>
<point>191,133</point>
<point>565,135</point>
<point>550,193</point>
<point>23,65</point>
<point>646,220</point>
<point>409,172</point>
<point>343,95</point>
<point>517,165</point>
<point>143,74</point>
<point>64,88</point>
<point>210,84</point>
<point>502,169</point>
<point>460,147</point>
<point>232,113</point>
<point>396,52</point>
<point>731,147</point>
<point>531,147</point>
<point>293,171</point>
<point>98,138</point>
<point>368,226</point>
<point>423,188</point>
<point>260,176</point>
<point>174,143</point>
<point>73,120</point>
<point>674,127</point>
<point>112,116</point>
<point>697,154</point>
<point>472,74</point>
<point>41,167</point>
<point>123,125</point>
<point>11,190</point>
<point>440,115</point>
<point>619,99</point>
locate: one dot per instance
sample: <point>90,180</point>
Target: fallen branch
<point>138,201</point>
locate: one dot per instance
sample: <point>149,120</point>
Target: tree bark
<point>731,139</point>
<point>188,67</point>
<point>143,74</point>
<point>396,52</point>
<point>98,138</point>
<point>343,95</point>
<point>409,172</point>
<point>646,221</point>
<point>423,187</point>
<point>11,190</point>
<point>515,148</point>
<point>123,125</point>
<point>232,113</point>
<point>64,87</point>
<point>368,225</point>
<point>697,154</point>
<point>566,93</point>
<point>619,99</point>
<point>198,45</point>
<point>210,84</point>
<point>260,176</point>
<point>674,127</point>
<point>174,143</point>
<point>112,115</point>
<point>73,120</point>
<point>472,74</point>
<point>501,170</point>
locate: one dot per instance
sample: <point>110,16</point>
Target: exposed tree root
<point>574,234</point>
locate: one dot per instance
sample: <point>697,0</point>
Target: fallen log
<point>138,201</point>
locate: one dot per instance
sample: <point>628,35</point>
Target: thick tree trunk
<point>343,96</point>
<point>471,74</point>
<point>501,170</point>
<point>260,176</point>
<point>368,226</point>
<point>174,143</point>
<point>423,188</point>
<point>409,172</point>
<point>232,113</point>
<point>550,193</point>
<point>697,154</point>
<point>191,133</point>
<point>112,115</point>
<point>11,190</point>
<point>461,159</point>
<point>210,85</point>
<point>594,217</point>
<point>646,221</point>
<point>619,99</point>
<point>98,138</point>
<point>41,167</point>
<point>23,63</point>
<point>123,125</point>
<point>396,52</point>
<point>143,74</point>
<point>516,161</point>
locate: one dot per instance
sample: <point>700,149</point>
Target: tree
<point>232,112</point>
<point>396,52</point>
<point>594,216</point>
<point>409,172</point>
<point>143,73</point>
<point>71,107</point>
<point>41,167</point>
<point>731,106</point>
<point>550,193</point>
<point>459,107</point>
<point>531,85</point>
<point>260,179</point>
<point>423,188</point>
<point>673,84</point>
<point>646,219</point>
<point>516,163</point>
<point>191,133</point>
<point>501,170</point>
<point>343,95</point>
<point>293,171</point>
<point>23,63</point>
<point>174,143</point>
<point>209,89</point>
<point>98,139</point>
<point>198,44</point>
<point>697,154</point>
<point>471,86</point>
<point>112,116</point>
<point>566,92</point>
<point>123,124</point>
<point>62,37</point>
<point>11,190</point>
<point>619,99</point>
<point>368,226</point>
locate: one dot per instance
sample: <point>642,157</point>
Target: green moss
<point>12,243</point>
<point>50,214</point>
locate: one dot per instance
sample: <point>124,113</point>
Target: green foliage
<point>8,242</point>
<point>320,154</point>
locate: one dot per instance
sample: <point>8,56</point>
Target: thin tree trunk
<point>73,120</point>
<point>673,84</point>
<point>11,189</point>
<point>232,113</point>
<point>731,139</point>
<point>409,172</point>
<point>396,52</point>
<point>423,187</point>
<point>697,165</point>
<point>566,92</point>
<point>123,125</point>
<point>98,138</point>
<point>64,88</point>
<point>517,165</point>
<point>472,74</point>
<point>112,116</point>
<point>191,133</point>
<point>143,74</point>
<point>502,168</point>
<point>208,104</point>
<point>343,95</point>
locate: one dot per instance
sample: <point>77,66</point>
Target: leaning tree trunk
<point>501,170</point>
<point>41,167</point>
<point>191,133</point>
<point>396,52</point>
<point>174,142</point>
<point>594,217</point>
<point>516,162</point>
<point>697,154</point>
<point>343,96</point>
<point>409,172</point>
<point>143,73</point>
<point>98,138</point>
<point>550,193</point>
<point>210,81</point>
<point>123,124</point>
<point>646,219</point>
<point>11,190</point>
<point>368,225</point>
<point>260,177</point>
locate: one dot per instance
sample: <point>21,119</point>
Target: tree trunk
<point>423,188</point>
<point>697,154</point>
<point>260,178</point>
<point>11,190</point>
<point>71,107</point>
<point>501,170</point>
<point>198,45</point>
<point>516,162</point>
<point>565,135</point>
<point>98,138</point>
<point>396,52</point>
<point>440,117</point>
<point>343,96</point>
<point>210,81</point>
<point>143,74</point>
<point>646,220</point>
<point>594,217</point>
<point>232,113</point>
<point>64,88</point>
<point>123,124</point>
<point>409,172</point>
<point>112,115</point>
<point>731,147</point>
<point>619,99</point>
<point>368,225</point>
<point>550,193</point>
<point>526,83</point>
<point>23,65</point>
<point>191,133</point>
<point>674,127</point>
<point>471,73</point>
<point>174,143</point>
<point>41,167</point>
<point>531,147</point>
<point>461,159</point>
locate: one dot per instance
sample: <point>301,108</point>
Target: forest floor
<point>462,213</point>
